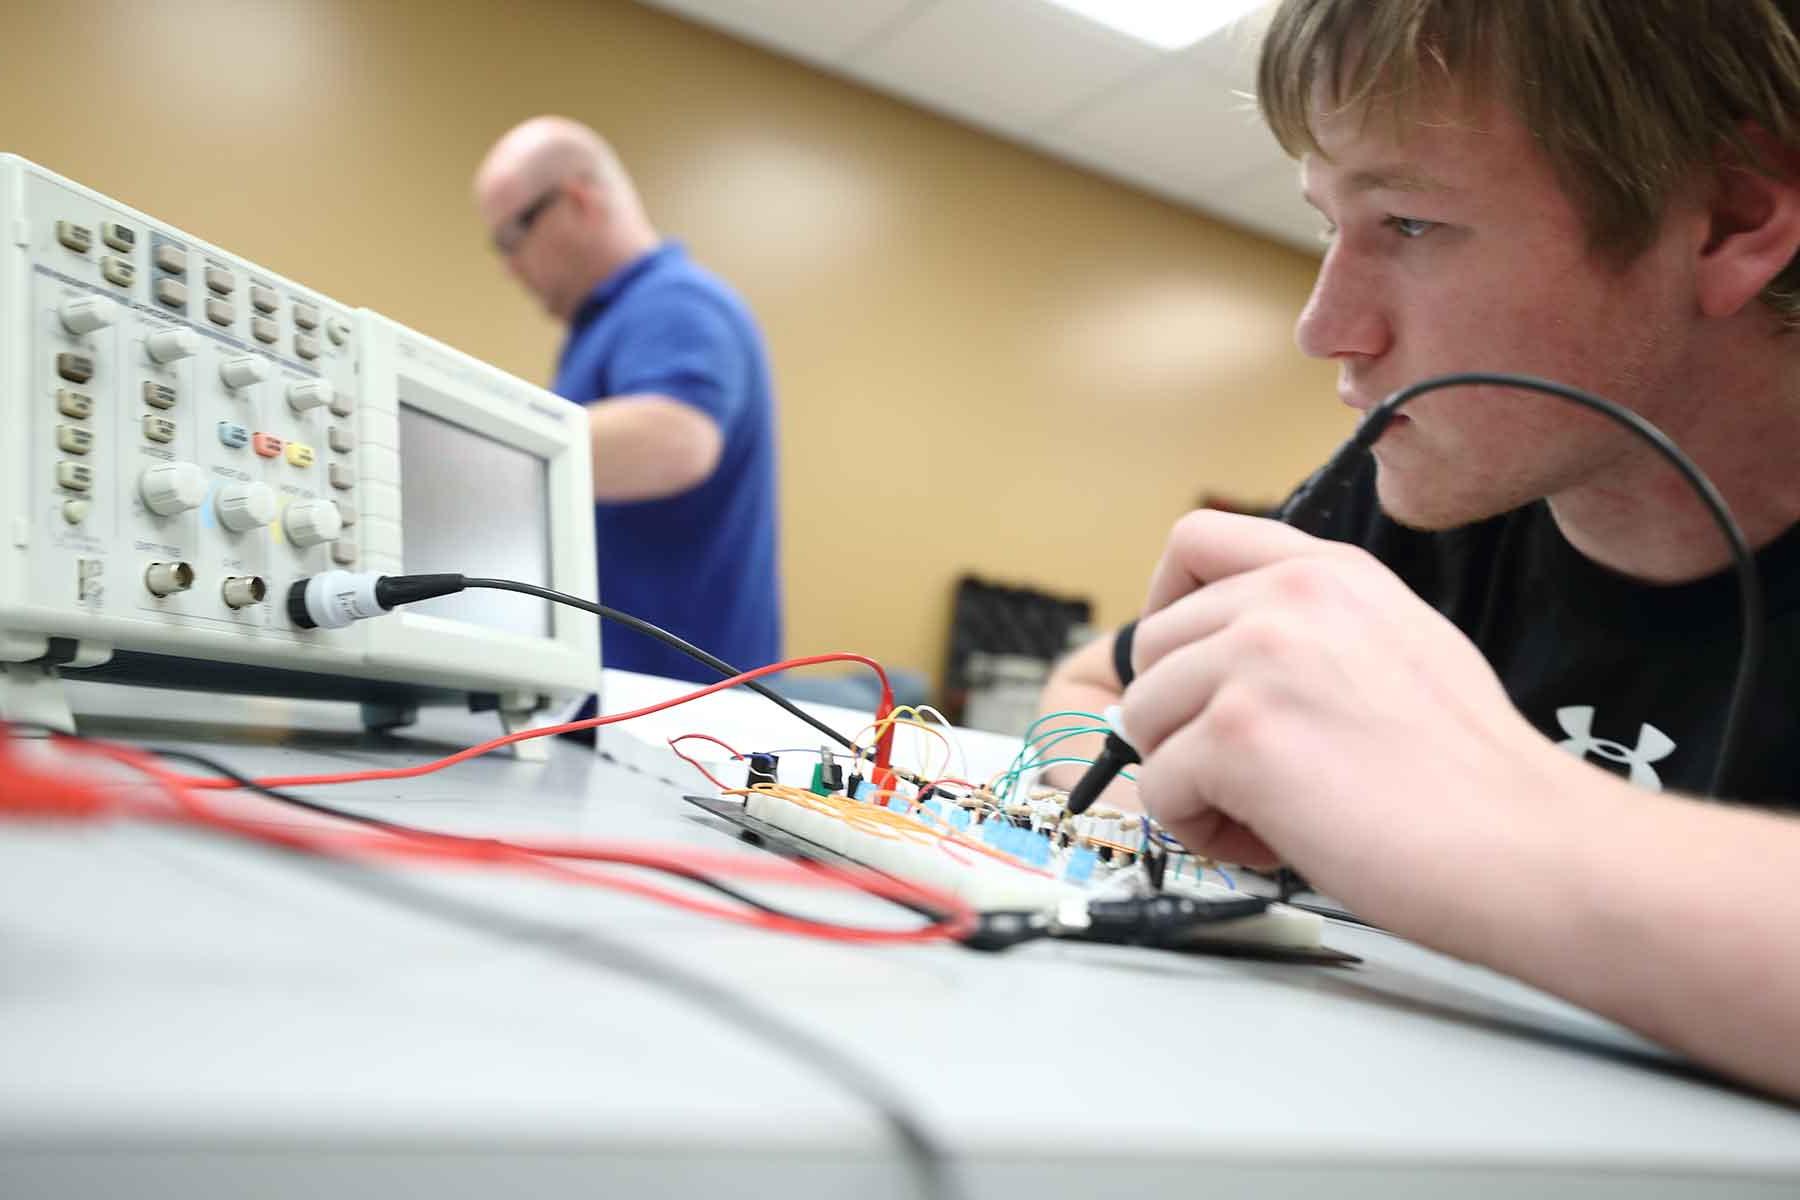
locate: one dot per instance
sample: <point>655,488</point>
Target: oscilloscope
<point>184,433</point>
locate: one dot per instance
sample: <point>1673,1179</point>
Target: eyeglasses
<point>508,236</point>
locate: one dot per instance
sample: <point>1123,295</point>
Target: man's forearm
<point>1674,917</point>
<point>1692,908</point>
<point>649,447</point>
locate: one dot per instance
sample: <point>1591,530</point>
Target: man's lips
<point>1362,403</point>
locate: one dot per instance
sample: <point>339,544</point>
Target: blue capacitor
<point>1080,866</point>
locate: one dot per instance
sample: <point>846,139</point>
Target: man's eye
<point>1409,227</point>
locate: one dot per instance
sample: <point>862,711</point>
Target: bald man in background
<point>680,410</point>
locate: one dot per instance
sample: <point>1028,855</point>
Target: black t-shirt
<point>1627,675</point>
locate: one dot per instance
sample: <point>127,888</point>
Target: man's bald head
<point>538,154</point>
<point>560,206</point>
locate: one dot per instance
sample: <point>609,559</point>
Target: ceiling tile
<point>817,30</point>
<point>1186,120</point>
<point>1267,200</point>
<point>1230,54</point>
<point>1011,63</point>
<point>1179,126</point>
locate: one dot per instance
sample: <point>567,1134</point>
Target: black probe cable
<point>1750,595</point>
<point>1319,491</point>
<point>393,590</point>
<point>415,831</point>
<point>688,648</point>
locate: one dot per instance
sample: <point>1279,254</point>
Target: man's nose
<point>1345,315</point>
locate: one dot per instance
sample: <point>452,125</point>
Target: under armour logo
<point>1653,745</point>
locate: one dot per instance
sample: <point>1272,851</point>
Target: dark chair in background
<point>1003,641</point>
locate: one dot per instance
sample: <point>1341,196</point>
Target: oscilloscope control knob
<point>171,488</point>
<point>243,370</point>
<point>310,522</point>
<point>244,506</point>
<point>84,314</point>
<point>308,393</point>
<point>167,345</point>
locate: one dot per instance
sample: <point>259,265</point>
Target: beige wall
<point>986,360</point>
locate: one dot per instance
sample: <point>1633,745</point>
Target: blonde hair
<point>1628,98</point>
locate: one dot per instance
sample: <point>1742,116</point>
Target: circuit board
<point>1002,871</point>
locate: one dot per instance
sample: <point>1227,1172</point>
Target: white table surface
<point>186,1016</point>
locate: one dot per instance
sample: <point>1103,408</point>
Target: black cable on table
<point>395,827</point>
<point>725,669</point>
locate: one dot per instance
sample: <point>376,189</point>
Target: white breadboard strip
<point>991,883</point>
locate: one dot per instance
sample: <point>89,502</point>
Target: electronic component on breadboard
<point>1028,859</point>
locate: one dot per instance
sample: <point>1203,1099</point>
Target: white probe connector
<point>334,599</point>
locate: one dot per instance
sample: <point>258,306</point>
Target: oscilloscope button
<point>245,506</point>
<point>117,271</point>
<point>309,522</point>
<point>171,488</point>
<point>85,314</point>
<point>76,368</point>
<point>74,439</point>
<point>78,238</point>
<point>243,370</point>
<point>304,394</point>
<point>168,345</point>
<point>77,477</point>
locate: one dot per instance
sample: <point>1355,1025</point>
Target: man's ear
<point>575,195</point>
<point>1754,230</point>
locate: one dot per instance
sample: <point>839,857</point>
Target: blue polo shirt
<point>701,564</point>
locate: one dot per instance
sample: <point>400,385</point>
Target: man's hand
<point>1084,681</point>
<point>1294,697</point>
<point>1295,701</point>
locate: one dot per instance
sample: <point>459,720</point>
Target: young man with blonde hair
<point>1412,702</point>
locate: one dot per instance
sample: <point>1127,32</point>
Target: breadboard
<point>990,879</point>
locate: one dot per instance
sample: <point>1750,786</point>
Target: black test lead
<point>1115,756</point>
